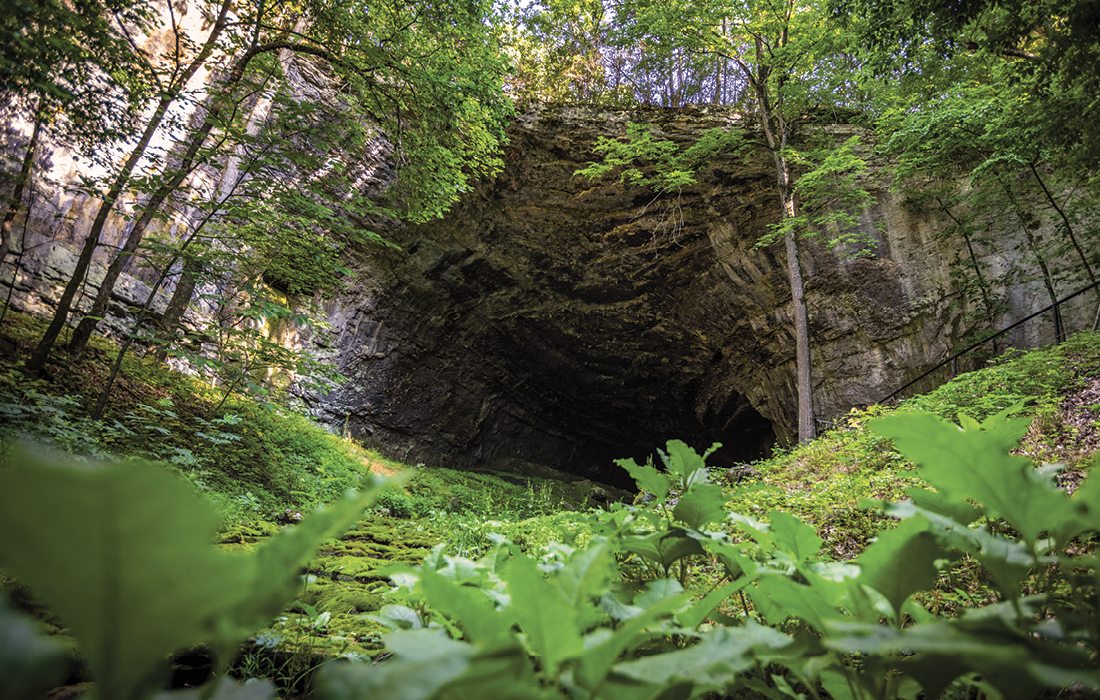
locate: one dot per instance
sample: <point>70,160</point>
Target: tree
<point>170,88</point>
<point>961,115</point>
<point>66,69</point>
<point>785,51</point>
<point>424,78</point>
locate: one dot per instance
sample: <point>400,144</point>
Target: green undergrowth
<point>255,459</point>
<point>825,481</point>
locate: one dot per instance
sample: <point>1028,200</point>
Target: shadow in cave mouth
<point>744,434</point>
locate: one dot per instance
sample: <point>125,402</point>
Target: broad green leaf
<point>736,562</point>
<point>1007,560</point>
<point>1015,661</point>
<point>548,621</point>
<point>778,597</point>
<point>426,660</point>
<point>963,512</point>
<point>657,590</point>
<point>597,662</point>
<point>469,607</point>
<point>647,478</point>
<point>111,547</point>
<point>794,536</point>
<point>685,465</point>
<point>399,617</point>
<point>502,673</point>
<point>975,464</point>
<point>664,547</point>
<point>713,663</point>
<point>694,616</point>
<point>587,573</point>
<point>701,504</point>
<point>900,561</point>
<point>225,688</point>
<point>31,664</point>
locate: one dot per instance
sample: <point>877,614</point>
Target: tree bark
<point>41,354</point>
<point>177,306</point>
<point>216,104</point>
<point>1033,244</point>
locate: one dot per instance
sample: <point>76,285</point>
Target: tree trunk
<point>41,355</point>
<point>16,201</point>
<point>1033,244</point>
<point>776,134</point>
<point>983,286</point>
<point>1068,226</point>
<point>807,430</point>
<point>177,306</point>
<point>88,324</point>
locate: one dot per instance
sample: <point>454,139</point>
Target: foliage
<point>511,625</point>
<point>123,554</point>
<point>831,196</point>
<point>254,458</point>
<point>641,160</point>
<point>1042,55</point>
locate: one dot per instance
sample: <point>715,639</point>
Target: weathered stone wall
<point>553,321</point>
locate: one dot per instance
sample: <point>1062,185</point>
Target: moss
<point>828,480</point>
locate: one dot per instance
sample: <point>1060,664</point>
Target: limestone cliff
<point>551,320</point>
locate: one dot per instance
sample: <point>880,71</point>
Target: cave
<point>551,321</point>
<point>547,321</point>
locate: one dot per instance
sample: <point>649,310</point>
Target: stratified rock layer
<point>551,320</point>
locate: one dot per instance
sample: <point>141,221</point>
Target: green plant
<point>123,553</point>
<point>511,625</point>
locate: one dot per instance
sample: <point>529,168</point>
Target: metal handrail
<point>985,340</point>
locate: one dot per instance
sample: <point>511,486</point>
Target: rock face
<point>550,320</point>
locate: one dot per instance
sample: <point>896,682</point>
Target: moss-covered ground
<point>262,464</point>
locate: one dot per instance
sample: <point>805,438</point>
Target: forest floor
<point>264,465</point>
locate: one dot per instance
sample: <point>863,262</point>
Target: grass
<point>827,480</point>
<point>257,461</point>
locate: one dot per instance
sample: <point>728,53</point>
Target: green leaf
<point>779,597</point>
<point>548,621</point>
<point>426,661</point>
<point>399,617</point>
<point>975,464</point>
<point>657,590</point>
<point>225,688</point>
<point>663,547</point>
<point>1007,560</point>
<point>701,504</point>
<point>31,664</point>
<point>597,662</point>
<point>684,464</point>
<point>694,616</point>
<point>469,607</point>
<point>587,573</point>
<point>112,547</point>
<point>794,536</point>
<point>1015,661</point>
<point>900,561</point>
<point>713,663</point>
<point>647,478</point>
